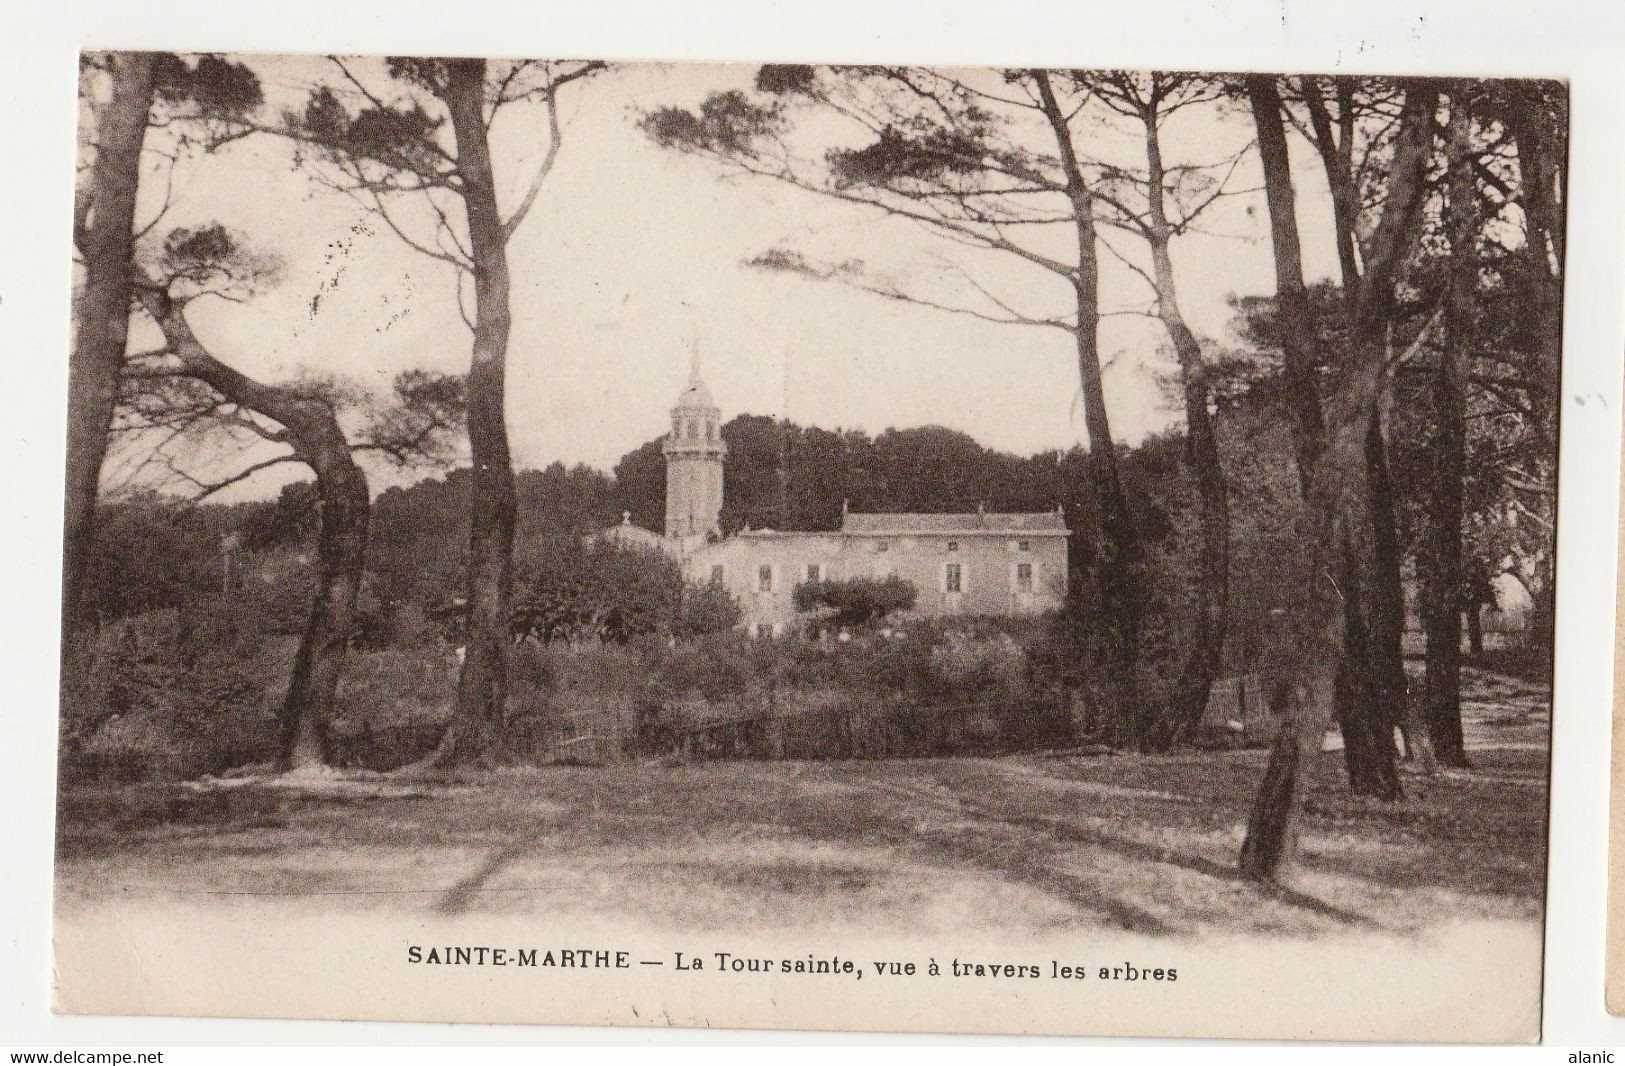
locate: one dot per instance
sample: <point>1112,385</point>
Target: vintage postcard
<point>935,549</point>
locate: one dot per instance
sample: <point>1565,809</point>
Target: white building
<point>967,564</point>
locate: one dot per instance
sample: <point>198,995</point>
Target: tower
<point>694,452</point>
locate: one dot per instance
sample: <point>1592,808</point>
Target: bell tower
<point>694,452</point>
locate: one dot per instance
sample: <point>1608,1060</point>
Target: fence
<point>858,729</point>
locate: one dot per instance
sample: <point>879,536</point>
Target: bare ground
<point>1020,845</point>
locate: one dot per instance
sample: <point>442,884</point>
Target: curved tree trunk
<point>106,239</point>
<point>341,549</point>
<point>1336,490</point>
<point>1335,517</point>
<point>310,426</point>
<point>312,430</point>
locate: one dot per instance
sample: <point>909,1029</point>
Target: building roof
<point>767,534</point>
<point>695,396</point>
<point>1047,523</point>
<point>627,533</point>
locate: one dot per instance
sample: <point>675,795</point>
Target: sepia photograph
<point>896,548</point>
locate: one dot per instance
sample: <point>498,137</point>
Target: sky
<point>634,254</point>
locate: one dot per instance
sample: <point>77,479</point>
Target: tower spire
<point>694,451</point>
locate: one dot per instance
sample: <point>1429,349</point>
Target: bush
<point>703,610</point>
<point>172,694</point>
<point>566,591</point>
<point>391,706</point>
<point>856,601</point>
<point>941,690</point>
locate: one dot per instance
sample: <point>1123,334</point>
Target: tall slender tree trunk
<point>1119,565</point>
<point>1336,490</point>
<point>107,243</point>
<point>1202,460</point>
<point>1376,648</point>
<point>1336,148</point>
<point>482,690</point>
<point>1394,688</point>
<point>1445,579</point>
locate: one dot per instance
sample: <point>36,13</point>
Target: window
<point>1024,577</point>
<point>953,545</point>
<point>716,575</point>
<point>815,572</point>
<point>710,430</point>
<point>882,546</point>
<point>764,578</point>
<point>952,579</point>
<point>1024,545</point>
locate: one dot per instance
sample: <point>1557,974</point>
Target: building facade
<point>977,563</point>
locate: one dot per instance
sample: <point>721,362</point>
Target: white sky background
<point>634,252</point>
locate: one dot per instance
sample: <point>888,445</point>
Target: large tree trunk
<point>1372,695</point>
<point>1299,344</point>
<point>1213,573</point>
<point>1349,686</point>
<point>1388,608</point>
<point>341,549</point>
<point>1444,580</point>
<point>312,430</point>
<point>1336,518</point>
<point>1333,684</point>
<point>1374,654</point>
<point>106,242</point>
<point>1336,494</point>
<point>482,690</point>
<point>1202,460</point>
<point>1119,564</point>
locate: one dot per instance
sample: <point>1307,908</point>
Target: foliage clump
<point>855,601</point>
<point>564,591</point>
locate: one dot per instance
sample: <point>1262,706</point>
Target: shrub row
<point>175,694</point>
